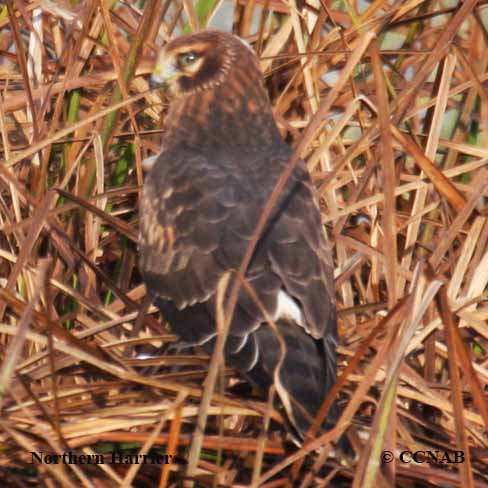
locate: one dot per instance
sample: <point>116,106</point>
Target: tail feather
<point>306,373</point>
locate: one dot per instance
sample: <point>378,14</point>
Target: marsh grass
<point>387,103</point>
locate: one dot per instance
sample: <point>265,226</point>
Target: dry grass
<point>395,137</point>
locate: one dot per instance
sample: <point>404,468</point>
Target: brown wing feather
<point>300,256</point>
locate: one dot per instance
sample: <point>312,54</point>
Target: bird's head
<point>199,62</point>
<point>215,87</point>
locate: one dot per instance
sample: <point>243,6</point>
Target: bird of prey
<point>222,155</point>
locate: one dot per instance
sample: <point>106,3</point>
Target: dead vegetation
<point>388,104</point>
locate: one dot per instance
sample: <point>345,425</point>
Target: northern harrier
<point>222,155</point>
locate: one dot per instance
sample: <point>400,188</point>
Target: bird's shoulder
<point>227,174</point>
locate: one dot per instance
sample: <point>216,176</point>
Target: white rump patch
<point>288,308</point>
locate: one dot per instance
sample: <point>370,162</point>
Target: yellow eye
<point>185,59</point>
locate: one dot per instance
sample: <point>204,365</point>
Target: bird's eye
<point>185,59</point>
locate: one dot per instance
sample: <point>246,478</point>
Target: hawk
<point>222,155</point>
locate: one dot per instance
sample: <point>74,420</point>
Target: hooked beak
<point>164,72</point>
